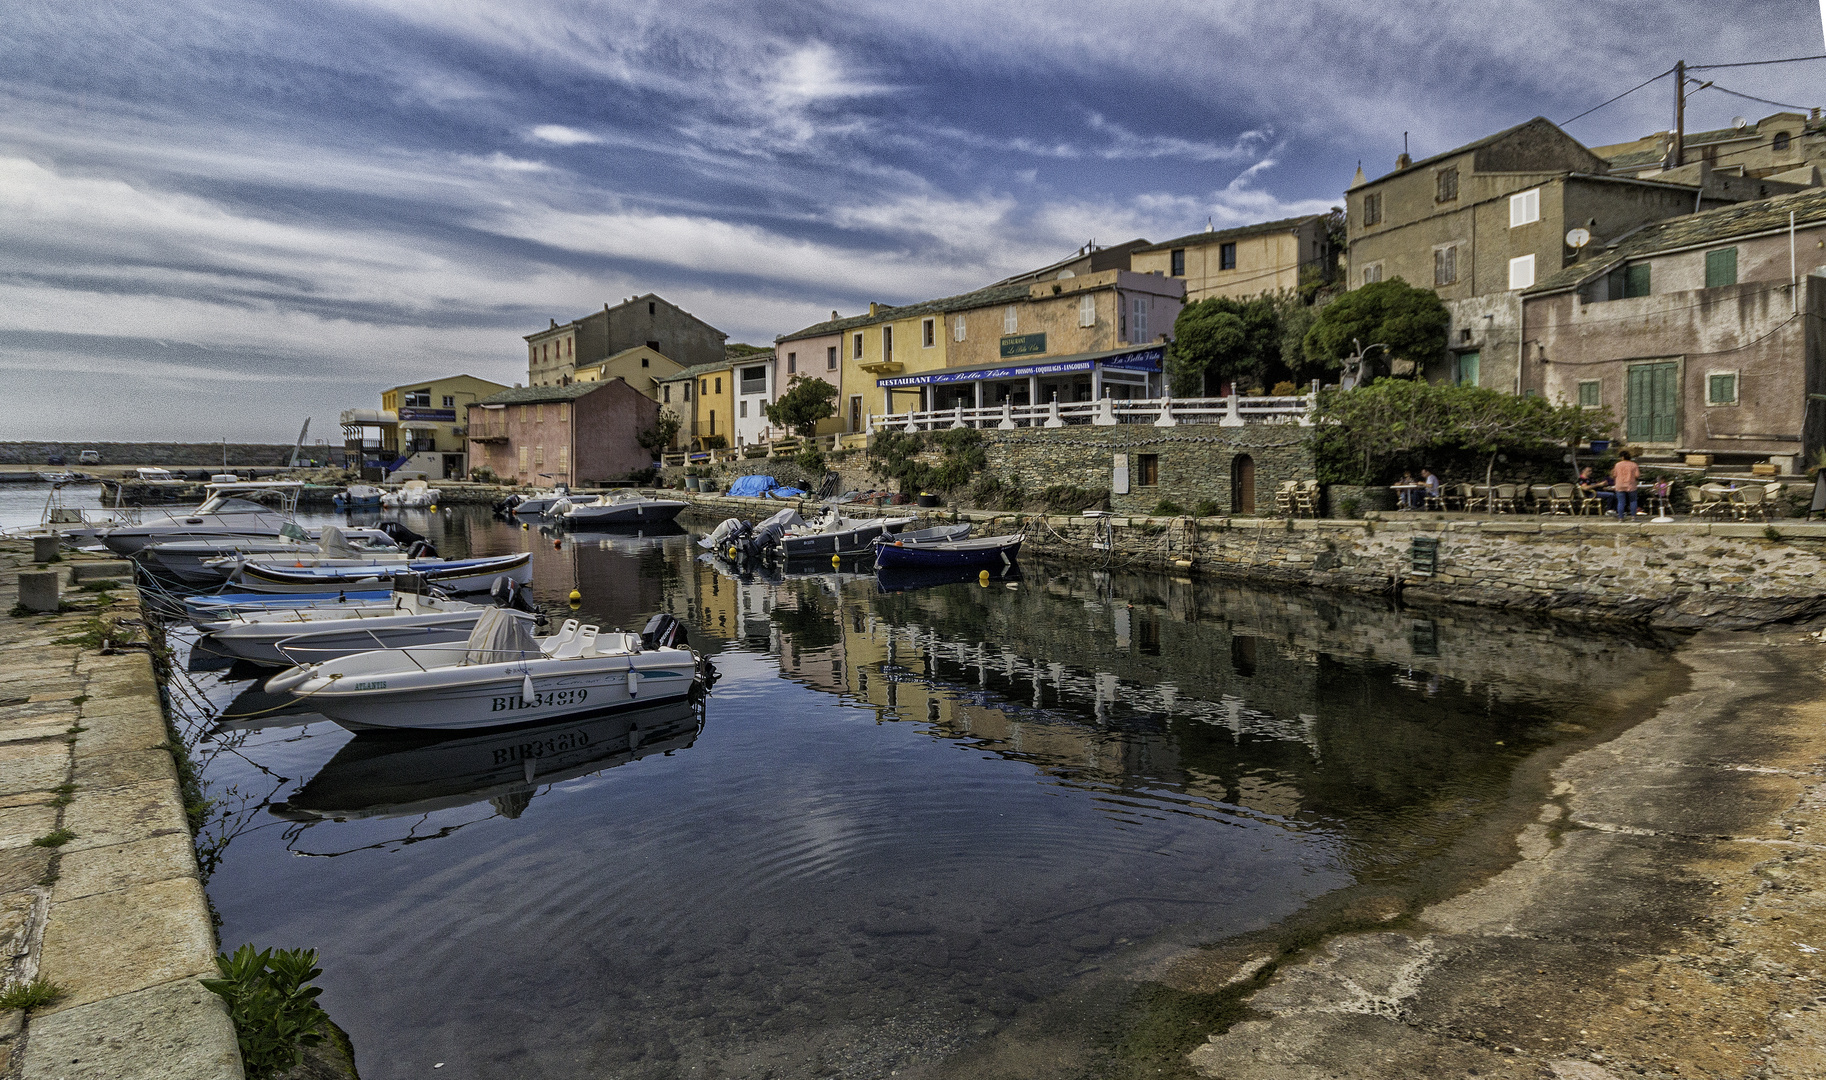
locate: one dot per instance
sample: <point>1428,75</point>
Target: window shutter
<point>1721,267</point>
<point>957,329</point>
<point>1010,319</point>
<point>1636,280</point>
<point>1525,208</point>
<point>1521,272</point>
<point>1087,311</point>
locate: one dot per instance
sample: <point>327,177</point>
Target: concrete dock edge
<point>99,888</point>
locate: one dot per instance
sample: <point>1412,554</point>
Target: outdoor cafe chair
<point>1541,495</point>
<point>1504,498</point>
<point>1717,501</point>
<point>1306,498</point>
<point>1750,502</point>
<point>1457,496</point>
<point>1283,497</point>
<point>1560,499</point>
<point>1479,499</point>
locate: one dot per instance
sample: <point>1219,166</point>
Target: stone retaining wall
<point>202,455</point>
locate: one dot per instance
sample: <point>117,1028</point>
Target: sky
<point>217,219</point>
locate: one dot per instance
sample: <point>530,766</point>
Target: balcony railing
<point>495,431</point>
<point>1233,411</point>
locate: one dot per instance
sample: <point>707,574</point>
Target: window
<point>792,362</point>
<point>1721,388</point>
<point>654,345</point>
<point>1781,141</point>
<point>1447,181</point>
<point>742,408</point>
<point>957,328</point>
<point>1179,262</point>
<point>1372,273</point>
<point>1147,470</point>
<point>1525,208</point>
<point>1445,265</point>
<point>652,308</point>
<point>1591,394</point>
<point>538,414</point>
<point>754,380</point>
<point>856,346</point>
<point>538,455</point>
<point>687,391</point>
<point>1226,256</point>
<point>1521,272</point>
<point>1652,411</point>
<point>643,361</point>
<point>1138,319</point>
<point>1721,267</point>
<point>564,456</point>
<point>703,386</point>
<point>418,398</point>
<point>887,343</point>
<point>449,401</point>
<point>1011,319</point>
<point>1468,365</point>
<point>1372,209</point>
<point>1087,310</point>
<point>713,421</point>
<point>830,358</point>
<point>665,393</point>
<point>928,333</point>
<point>719,384</point>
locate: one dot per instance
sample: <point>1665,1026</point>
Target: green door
<point>1654,401</point>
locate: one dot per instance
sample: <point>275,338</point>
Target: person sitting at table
<point>1434,488</point>
<point>1591,487</point>
<point>1410,491</point>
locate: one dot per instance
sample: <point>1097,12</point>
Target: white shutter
<point>522,459</point>
<point>1087,310</point>
<point>957,329</point>
<point>1010,320</point>
<point>1521,272</point>
<point>1138,320</point>
<point>1525,208</point>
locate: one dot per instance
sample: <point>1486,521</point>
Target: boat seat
<point>585,643</point>
<point>566,633</point>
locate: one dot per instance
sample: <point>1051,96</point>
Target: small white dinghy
<point>501,675</point>
<point>289,636</point>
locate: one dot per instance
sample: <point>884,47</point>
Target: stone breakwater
<point>1684,575</point>
<point>99,889</point>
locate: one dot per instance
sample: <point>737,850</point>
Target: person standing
<point>1624,476</point>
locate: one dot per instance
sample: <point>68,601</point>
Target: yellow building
<point>896,341</point>
<point>429,425</point>
<point>641,367</point>
<point>703,398</point>
<point>1243,262</point>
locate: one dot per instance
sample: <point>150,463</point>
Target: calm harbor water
<point>902,820</point>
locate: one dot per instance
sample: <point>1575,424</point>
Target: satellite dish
<point>1738,123</point>
<point>1578,238</point>
<point>1063,274</point>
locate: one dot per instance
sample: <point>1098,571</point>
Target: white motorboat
<point>211,562</point>
<point>833,534</point>
<point>228,510</point>
<point>299,635</point>
<point>412,495</point>
<point>218,606</point>
<point>621,507</point>
<point>500,676</point>
<point>537,503</point>
<point>339,575</point>
<point>357,497</point>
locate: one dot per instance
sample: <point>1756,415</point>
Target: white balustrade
<point>1232,411</point>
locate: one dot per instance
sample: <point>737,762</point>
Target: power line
<point>1619,97</point>
<point>1755,63</point>
<point>1753,97</point>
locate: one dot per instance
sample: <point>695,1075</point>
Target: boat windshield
<point>233,504</point>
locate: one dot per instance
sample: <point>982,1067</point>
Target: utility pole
<point>1680,113</point>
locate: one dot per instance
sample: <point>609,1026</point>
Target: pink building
<point>581,434</point>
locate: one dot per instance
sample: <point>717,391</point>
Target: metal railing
<point>1233,411</point>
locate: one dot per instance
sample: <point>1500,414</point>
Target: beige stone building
<point>555,354</point>
<point>1242,262</point>
<point>641,367</point>
<point>1784,146</point>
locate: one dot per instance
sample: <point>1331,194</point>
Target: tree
<point>805,402</point>
<point>1411,322</point>
<point>1221,338</point>
<point>658,438</point>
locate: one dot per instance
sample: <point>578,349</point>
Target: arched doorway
<point>1242,484</point>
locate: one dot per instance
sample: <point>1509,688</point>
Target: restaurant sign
<point>1023,345</point>
<point>439,416</point>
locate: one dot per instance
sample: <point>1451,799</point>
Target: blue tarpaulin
<point>752,485</point>
<point>786,492</point>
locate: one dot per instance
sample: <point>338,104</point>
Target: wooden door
<point>1242,484</point>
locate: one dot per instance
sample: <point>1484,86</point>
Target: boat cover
<point>331,543</point>
<point>500,637</point>
<point>752,485</point>
<point>787,493</point>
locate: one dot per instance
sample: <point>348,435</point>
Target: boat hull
<point>846,542</point>
<point>947,556</point>
<point>657,512</point>
<point>283,644</point>
<point>464,576</point>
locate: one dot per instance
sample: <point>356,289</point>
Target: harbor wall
<point>1684,575</point>
<point>197,455</point>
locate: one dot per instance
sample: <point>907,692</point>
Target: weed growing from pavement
<point>30,995</point>
<point>55,839</point>
<point>272,1004</point>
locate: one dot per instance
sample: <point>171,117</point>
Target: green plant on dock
<point>272,1004</point>
<point>1167,508</point>
<point>1205,508</point>
<point>30,995</point>
<point>58,838</point>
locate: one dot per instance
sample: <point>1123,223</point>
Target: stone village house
<point>1242,262</point>
<point>1702,334</point>
<point>578,434</point>
<point>555,355</point>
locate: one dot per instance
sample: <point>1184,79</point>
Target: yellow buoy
<point>576,597</point>
<point>434,508</point>
<point>982,578</point>
<point>836,560</point>
<point>524,526</point>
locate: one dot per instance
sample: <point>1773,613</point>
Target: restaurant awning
<point>1145,358</point>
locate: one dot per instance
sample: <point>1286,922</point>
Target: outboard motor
<point>399,534</point>
<point>663,632</point>
<point>510,594</point>
<point>421,549</point>
<point>766,538</point>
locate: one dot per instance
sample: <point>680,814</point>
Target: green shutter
<point>1468,364</point>
<point>1654,403</point>
<point>1721,267</point>
<point>1590,394</point>
<point>1636,280</point>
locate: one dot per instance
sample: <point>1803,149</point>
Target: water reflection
<point>909,813</point>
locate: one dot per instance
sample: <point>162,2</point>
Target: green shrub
<point>31,995</point>
<point>1070,499</point>
<point>811,459</point>
<point>1205,508</point>
<point>273,1006</point>
<point>1167,508</point>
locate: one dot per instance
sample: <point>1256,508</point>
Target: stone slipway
<point>116,915</point>
<point>1664,918</point>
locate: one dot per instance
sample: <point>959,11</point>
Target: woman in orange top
<point>1624,476</point>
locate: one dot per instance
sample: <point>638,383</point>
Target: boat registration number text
<point>540,700</point>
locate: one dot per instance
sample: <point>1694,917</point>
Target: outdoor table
<point>1398,489</point>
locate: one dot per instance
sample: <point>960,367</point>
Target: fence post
<point>1106,413</point>
<point>1166,413</point>
<point>957,416</point>
<point>1233,412</point>
<point>1052,413</point>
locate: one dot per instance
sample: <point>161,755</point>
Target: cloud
<point>559,135</point>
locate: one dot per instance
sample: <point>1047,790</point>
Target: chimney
<point>554,324</point>
<point>833,315</point>
<point>873,307</point>
<point>1402,160</point>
